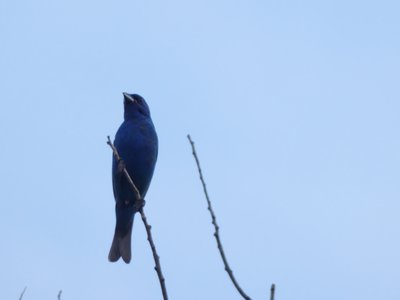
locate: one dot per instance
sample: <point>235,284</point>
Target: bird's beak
<point>129,97</point>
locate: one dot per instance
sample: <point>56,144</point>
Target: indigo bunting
<point>137,144</point>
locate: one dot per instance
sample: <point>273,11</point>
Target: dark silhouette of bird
<point>137,144</point>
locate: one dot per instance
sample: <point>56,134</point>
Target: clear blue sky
<point>294,107</point>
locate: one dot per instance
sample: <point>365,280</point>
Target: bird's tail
<point>121,244</point>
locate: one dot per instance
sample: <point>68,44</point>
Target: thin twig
<point>272,292</point>
<point>157,268</point>
<point>155,255</point>
<point>59,295</point>
<point>214,222</point>
<point>118,158</point>
<point>22,294</point>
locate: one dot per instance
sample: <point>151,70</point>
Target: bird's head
<point>135,106</point>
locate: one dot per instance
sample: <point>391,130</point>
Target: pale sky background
<point>294,107</point>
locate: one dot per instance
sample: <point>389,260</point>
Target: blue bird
<point>137,144</point>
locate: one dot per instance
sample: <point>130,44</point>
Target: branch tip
<point>23,292</point>
<point>272,292</point>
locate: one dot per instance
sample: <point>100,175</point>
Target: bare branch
<point>22,294</point>
<point>118,158</point>
<point>59,295</point>
<point>272,292</point>
<point>157,268</point>
<point>214,222</point>
<point>155,255</point>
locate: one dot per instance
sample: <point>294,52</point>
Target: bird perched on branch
<point>137,144</point>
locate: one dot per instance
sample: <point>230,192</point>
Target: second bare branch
<point>214,222</point>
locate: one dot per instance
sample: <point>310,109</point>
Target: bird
<point>137,144</point>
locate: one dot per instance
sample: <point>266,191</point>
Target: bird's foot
<point>139,204</point>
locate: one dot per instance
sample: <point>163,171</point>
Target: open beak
<point>128,97</point>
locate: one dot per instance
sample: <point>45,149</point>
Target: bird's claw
<point>139,204</point>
